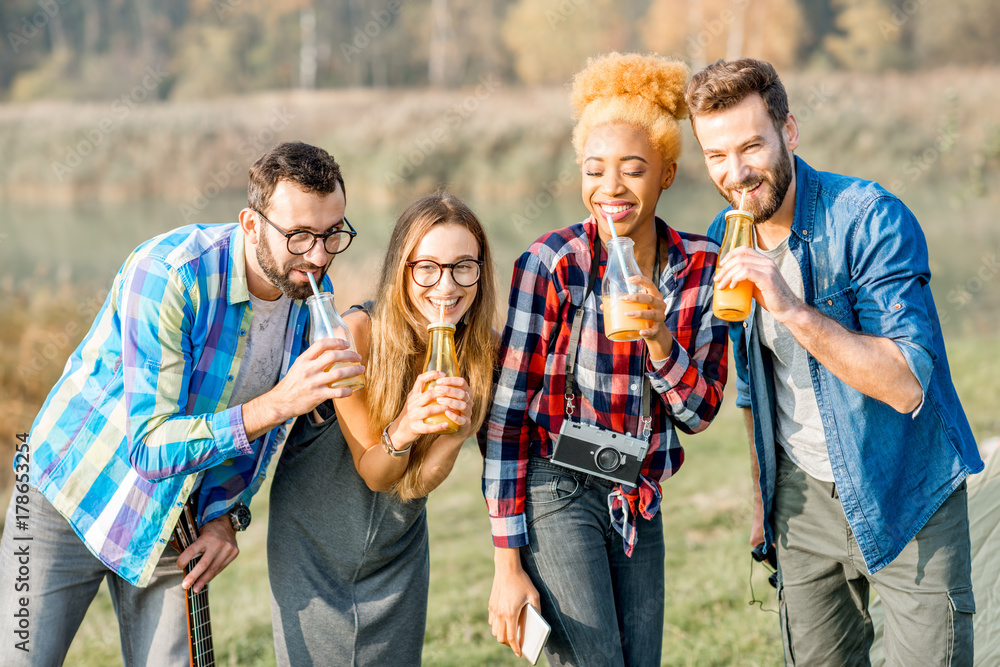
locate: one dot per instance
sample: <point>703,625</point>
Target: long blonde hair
<point>399,336</point>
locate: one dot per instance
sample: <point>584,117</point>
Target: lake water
<point>85,245</point>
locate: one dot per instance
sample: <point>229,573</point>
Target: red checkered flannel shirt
<point>529,401</point>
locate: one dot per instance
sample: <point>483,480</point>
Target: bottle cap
<point>738,213</point>
<point>440,325</point>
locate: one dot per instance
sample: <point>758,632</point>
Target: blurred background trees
<point>83,49</point>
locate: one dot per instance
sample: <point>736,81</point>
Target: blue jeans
<point>63,577</point>
<point>604,607</point>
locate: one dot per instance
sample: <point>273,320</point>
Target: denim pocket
<point>839,306</point>
<point>549,491</point>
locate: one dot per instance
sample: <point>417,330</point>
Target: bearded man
<point>179,393</point>
<point>860,445</point>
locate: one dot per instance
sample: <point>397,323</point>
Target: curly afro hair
<point>645,91</point>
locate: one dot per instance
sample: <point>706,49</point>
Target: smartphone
<point>533,631</point>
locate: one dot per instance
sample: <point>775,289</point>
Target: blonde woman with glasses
<point>347,548</point>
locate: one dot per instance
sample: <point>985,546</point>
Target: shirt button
<point>898,306</point>
<point>829,302</point>
<point>633,387</point>
<point>243,332</point>
<point>229,378</point>
<point>745,325</point>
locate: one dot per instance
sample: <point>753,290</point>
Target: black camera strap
<point>645,421</point>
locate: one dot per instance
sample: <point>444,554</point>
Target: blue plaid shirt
<point>141,407</point>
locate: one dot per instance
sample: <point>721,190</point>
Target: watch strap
<point>387,444</point>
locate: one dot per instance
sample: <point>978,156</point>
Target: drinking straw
<point>732,244</point>
<point>442,312</point>
<point>322,311</point>
<point>621,255</point>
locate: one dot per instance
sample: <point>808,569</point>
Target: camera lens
<point>607,459</point>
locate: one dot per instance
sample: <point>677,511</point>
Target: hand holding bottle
<point>650,305</point>
<point>433,394</point>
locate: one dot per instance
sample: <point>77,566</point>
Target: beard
<point>281,280</point>
<point>779,177</point>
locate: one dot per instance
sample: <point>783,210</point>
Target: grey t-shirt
<point>265,347</point>
<point>799,425</point>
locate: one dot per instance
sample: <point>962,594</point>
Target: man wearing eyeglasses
<point>180,392</point>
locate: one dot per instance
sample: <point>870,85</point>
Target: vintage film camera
<point>606,454</point>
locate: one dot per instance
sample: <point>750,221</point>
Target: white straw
<point>322,311</point>
<point>632,289</point>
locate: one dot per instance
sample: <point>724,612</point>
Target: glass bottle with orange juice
<point>615,285</point>
<point>732,304</point>
<point>326,322</point>
<point>441,356</point>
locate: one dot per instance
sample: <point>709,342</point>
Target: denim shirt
<point>864,264</point>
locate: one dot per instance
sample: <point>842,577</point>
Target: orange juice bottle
<point>615,285</point>
<point>441,356</point>
<point>733,304</point>
<point>326,322</point>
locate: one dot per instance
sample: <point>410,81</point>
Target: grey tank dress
<point>348,566</point>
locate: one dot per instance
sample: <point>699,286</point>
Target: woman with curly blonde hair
<point>347,549</point>
<point>599,580</point>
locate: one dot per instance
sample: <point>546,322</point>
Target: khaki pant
<point>824,584</point>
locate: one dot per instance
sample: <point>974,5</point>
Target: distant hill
<point>905,130</point>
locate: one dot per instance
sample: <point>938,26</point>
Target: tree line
<point>90,49</point>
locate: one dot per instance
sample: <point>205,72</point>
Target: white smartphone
<point>533,631</point>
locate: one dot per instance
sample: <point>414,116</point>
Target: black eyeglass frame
<point>442,267</point>
<point>351,233</point>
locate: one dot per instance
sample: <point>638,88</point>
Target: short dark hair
<point>723,85</point>
<point>309,167</point>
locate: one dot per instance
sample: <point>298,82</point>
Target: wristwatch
<point>387,443</point>
<point>239,516</point>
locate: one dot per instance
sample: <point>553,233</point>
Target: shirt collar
<point>238,290</point>
<point>806,192</point>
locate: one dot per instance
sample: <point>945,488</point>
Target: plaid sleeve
<point>157,315</point>
<point>536,296</point>
<point>691,380</point>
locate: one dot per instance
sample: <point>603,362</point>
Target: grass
<point>706,510</point>
<point>708,620</point>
